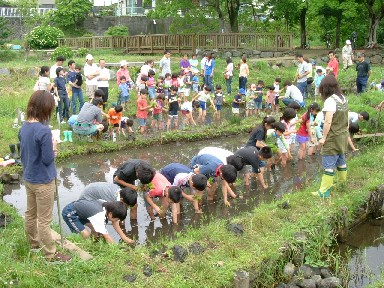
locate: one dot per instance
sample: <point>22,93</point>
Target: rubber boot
<point>326,184</point>
<point>18,150</point>
<point>65,136</point>
<point>341,178</point>
<point>70,136</point>
<point>13,154</point>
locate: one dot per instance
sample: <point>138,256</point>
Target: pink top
<point>151,82</point>
<point>160,183</point>
<point>141,103</point>
<point>288,128</point>
<point>122,72</point>
<point>270,97</point>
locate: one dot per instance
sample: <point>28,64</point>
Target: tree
<point>4,30</point>
<point>376,13</point>
<point>70,14</point>
<point>29,15</point>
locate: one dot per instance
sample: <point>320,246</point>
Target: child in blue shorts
<point>218,101</point>
<point>123,92</point>
<point>259,97</point>
<point>203,97</point>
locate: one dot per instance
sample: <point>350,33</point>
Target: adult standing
<point>77,92</point>
<point>59,63</point>
<point>165,63</point>
<point>123,71</point>
<point>228,75</point>
<point>103,81</point>
<point>347,54</point>
<point>363,72</point>
<point>333,64</point>
<point>243,74</point>
<point>335,135</point>
<point>202,65</point>
<point>185,66</point>
<point>148,65</point>
<point>209,70</point>
<point>302,75</point>
<point>91,72</point>
<point>38,152</point>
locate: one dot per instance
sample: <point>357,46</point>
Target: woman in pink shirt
<point>123,71</point>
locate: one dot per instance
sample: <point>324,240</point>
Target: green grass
<point>267,230</point>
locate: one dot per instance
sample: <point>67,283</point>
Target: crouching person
<point>167,193</point>
<point>94,215</point>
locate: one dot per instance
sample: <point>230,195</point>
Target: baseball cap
<point>89,57</point>
<point>348,42</point>
<point>241,91</point>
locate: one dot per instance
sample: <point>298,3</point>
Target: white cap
<point>123,63</point>
<point>89,57</point>
<point>348,42</point>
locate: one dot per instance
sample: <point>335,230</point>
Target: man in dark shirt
<point>363,72</point>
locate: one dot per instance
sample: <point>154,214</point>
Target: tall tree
<point>28,14</point>
<point>376,13</point>
<point>70,14</point>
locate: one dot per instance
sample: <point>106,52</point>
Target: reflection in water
<point>80,171</point>
<point>366,244</point>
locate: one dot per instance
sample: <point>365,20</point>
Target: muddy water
<point>77,172</point>
<point>366,253</point>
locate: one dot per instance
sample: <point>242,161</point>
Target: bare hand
<point>226,203</point>
<point>265,186</point>
<point>198,211</point>
<point>321,141</point>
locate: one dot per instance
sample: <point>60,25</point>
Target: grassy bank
<point>266,230</point>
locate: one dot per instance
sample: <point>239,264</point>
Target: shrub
<point>82,52</point>
<point>6,55</point>
<point>62,51</point>
<point>117,31</point>
<point>88,35</point>
<point>44,37</point>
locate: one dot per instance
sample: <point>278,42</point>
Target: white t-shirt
<point>277,89</point>
<point>219,153</point>
<point>203,62</point>
<point>165,66</point>
<point>330,103</point>
<point>89,70</point>
<point>52,71</point>
<point>229,69</point>
<point>42,83</point>
<point>104,73</point>
<point>204,97</point>
<point>187,106</point>
<point>353,117</point>
<point>294,93</point>
<point>301,69</point>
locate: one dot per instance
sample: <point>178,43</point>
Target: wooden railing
<point>182,43</point>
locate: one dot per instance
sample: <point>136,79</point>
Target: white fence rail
<point>12,12</point>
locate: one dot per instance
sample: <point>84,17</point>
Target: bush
<point>44,37</point>
<point>82,52</point>
<point>88,35</point>
<point>117,31</point>
<point>62,51</point>
<point>6,55</point>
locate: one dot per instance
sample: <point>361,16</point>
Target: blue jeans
<point>303,88</point>
<point>72,219</point>
<point>361,83</point>
<point>77,95</point>
<point>332,161</point>
<point>208,82</point>
<point>243,83</point>
<point>63,106</point>
<point>287,101</point>
<point>228,82</point>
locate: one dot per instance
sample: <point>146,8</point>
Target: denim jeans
<point>287,101</point>
<point>228,82</point>
<point>208,82</point>
<point>243,83</point>
<point>63,106</point>
<point>361,83</point>
<point>303,88</point>
<point>78,94</point>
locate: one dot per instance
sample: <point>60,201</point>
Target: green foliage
<point>70,14</point>
<point>63,51</point>
<point>7,54</point>
<point>88,35</point>
<point>119,30</point>
<point>81,52</point>
<point>4,30</point>
<point>44,37</point>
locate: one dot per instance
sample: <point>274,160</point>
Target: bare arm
<point>108,239</point>
<point>327,126</point>
<point>123,183</point>
<point>261,179</point>
<point>119,231</point>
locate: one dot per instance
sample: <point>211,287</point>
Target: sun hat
<point>89,57</point>
<point>123,63</point>
<point>348,42</point>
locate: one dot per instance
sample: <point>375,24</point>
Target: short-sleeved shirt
<point>184,63</point>
<point>259,94</point>
<point>250,156</point>
<point>124,89</point>
<point>42,83</point>
<point>104,73</point>
<point>204,96</point>
<point>334,64</point>
<point>177,174</point>
<point>52,71</point>
<point>362,69</point>
<point>101,191</point>
<point>219,153</point>
<point>301,69</point>
<point>165,66</point>
<point>89,70</point>
<point>141,103</point>
<point>159,183</point>
<point>93,211</point>
<point>294,93</point>
<point>173,101</point>
<point>257,134</point>
<point>353,117</point>
<point>112,113</point>
<point>238,98</point>
<point>208,164</point>
<point>89,113</point>
<point>302,131</point>
<point>60,84</point>
<point>209,66</point>
<point>186,106</point>
<point>71,77</point>
<point>127,171</point>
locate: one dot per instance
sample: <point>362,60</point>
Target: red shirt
<point>160,183</point>
<point>303,126</point>
<point>335,65</point>
<point>141,103</point>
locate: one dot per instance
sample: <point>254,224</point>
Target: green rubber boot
<point>70,136</point>
<point>65,136</point>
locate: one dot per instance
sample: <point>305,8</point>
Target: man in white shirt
<point>303,70</point>
<point>292,94</point>
<point>59,63</point>
<point>91,73</point>
<point>102,81</point>
<point>165,63</point>
<point>347,55</point>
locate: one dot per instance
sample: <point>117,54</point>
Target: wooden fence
<point>183,43</point>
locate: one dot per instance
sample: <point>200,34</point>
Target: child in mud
<point>203,97</point>
<point>187,112</point>
<point>289,120</point>
<point>115,115</point>
<point>353,128</point>
<point>218,101</point>
<point>276,139</point>
<point>212,167</point>
<point>161,188</point>
<point>173,109</point>
<point>183,177</point>
<point>250,101</point>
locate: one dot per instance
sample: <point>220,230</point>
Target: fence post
<point>93,43</point>
<point>111,42</point>
<point>178,43</point>
<point>151,43</point>
<point>217,42</point>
